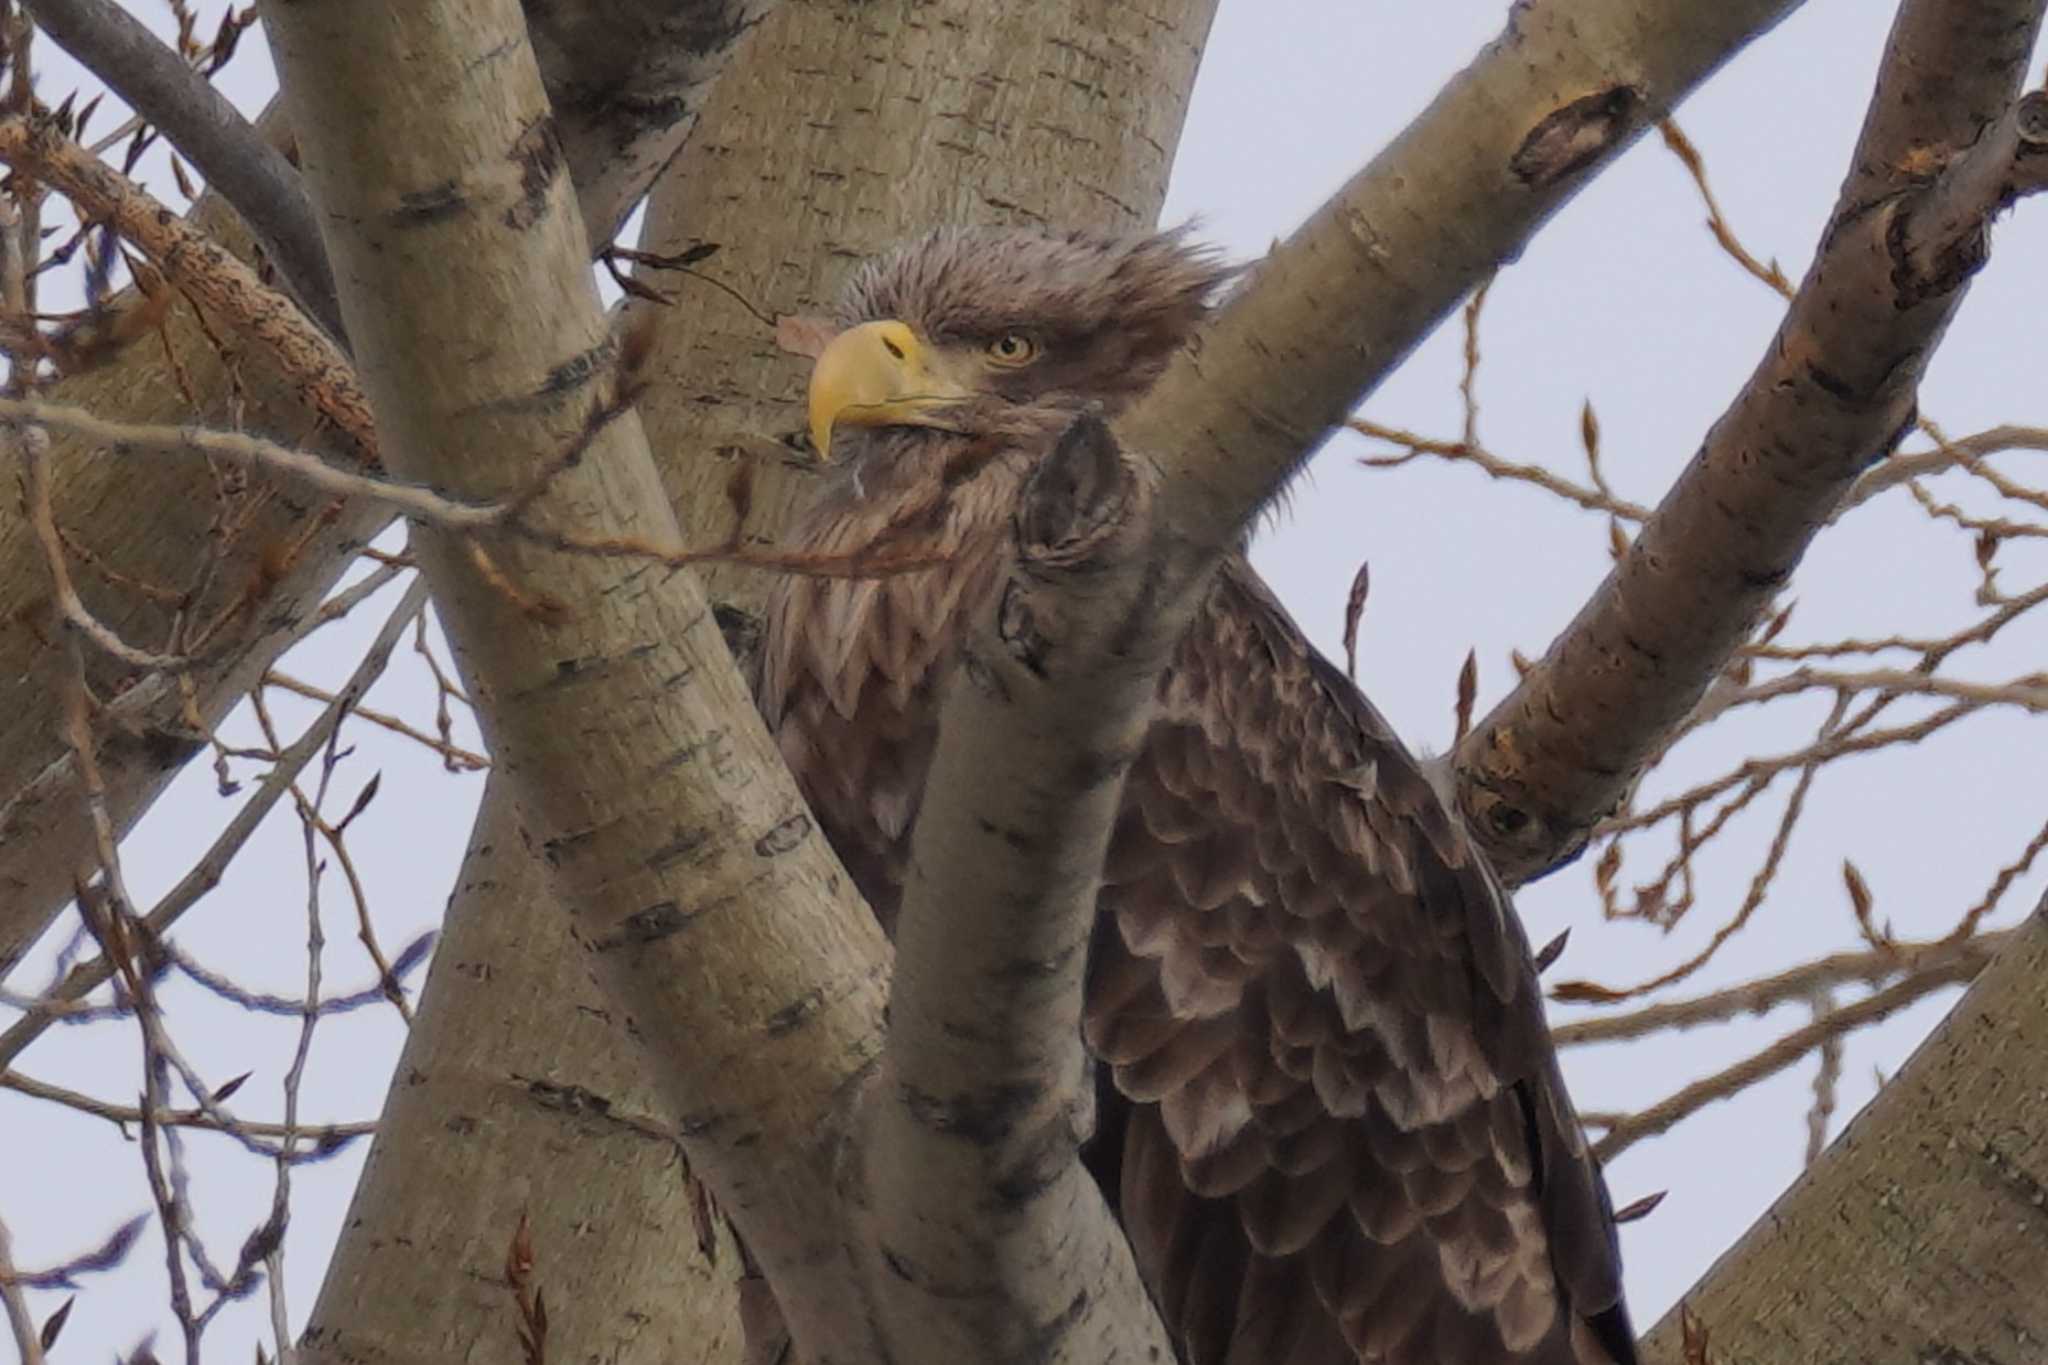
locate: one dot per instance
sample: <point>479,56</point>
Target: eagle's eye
<point>1013,349</point>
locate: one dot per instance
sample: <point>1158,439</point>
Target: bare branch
<point>247,451</point>
<point>200,267</point>
<point>1946,232</point>
<point>1940,961</point>
<point>1717,223</point>
<point>1835,392</point>
<point>629,79</point>
<point>209,131</point>
<point>1965,452</point>
<point>27,1339</point>
<point>1827,1082</point>
<point>1327,314</point>
<point>2030,693</point>
<point>34,447</point>
<point>984,1082</point>
<point>325,1139</point>
<point>626,82</point>
<point>1228,423</point>
<point>646,1281</point>
<point>1099,160</point>
<point>1625,1132</point>
<point>1494,466</point>
<point>458,758</point>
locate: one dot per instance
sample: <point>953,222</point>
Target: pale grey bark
<point>1583,103</point>
<point>627,82</point>
<point>707,903</point>
<point>521,1097</point>
<point>1834,392</point>
<point>1331,311</point>
<point>989,1239</point>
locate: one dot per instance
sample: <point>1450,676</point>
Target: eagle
<point>1330,1117</point>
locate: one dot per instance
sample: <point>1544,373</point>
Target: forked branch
<point>1834,394</point>
<point>1022,795</point>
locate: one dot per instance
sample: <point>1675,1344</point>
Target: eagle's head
<point>950,330</point>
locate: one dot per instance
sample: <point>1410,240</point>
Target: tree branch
<point>1328,314</point>
<point>1834,393</point>
<point>322,1139</point>
<point>710,907</point>
<point>994,1243</point>
<point>1944,961</point>
<point>210,274</point>
<point>83,979</point>
<point>1624,1131</point>
<point>1944,235</point>
<point>626,82</point>
<point>209,131</point>
<point>27,1341</point>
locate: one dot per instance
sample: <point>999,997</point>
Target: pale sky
<point>1625,300</point>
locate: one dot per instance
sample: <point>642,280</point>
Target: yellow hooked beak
<point>877,375</point>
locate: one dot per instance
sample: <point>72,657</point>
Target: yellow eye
<point>1013,348</point>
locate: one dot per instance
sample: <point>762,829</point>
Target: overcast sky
<point>1624,300</point>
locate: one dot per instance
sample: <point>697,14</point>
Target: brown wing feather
<point>1350,1140</point>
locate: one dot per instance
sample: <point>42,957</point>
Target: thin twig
<point>1820,750</point>
<point>1827,1082</point>
<point>253,452</point>
<point>324,1140</point>
<point>1415,446</point>
<point>206,874</point>
<point>1717,223</point>
<point>1964,452</point>
<point>1468,379</point>
<point>430,508</point>
<point>27,1338</point>
<point>263,1002</point>
<point>1958,962</point>
<point>458,758</point>
<point>2029,693</point>
<point>1630,1129</point>
<point>1966,927</point>
<point>34,446</point>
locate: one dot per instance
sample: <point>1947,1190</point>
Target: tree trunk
<point>520,1095</point>
<point>1089,151</point>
